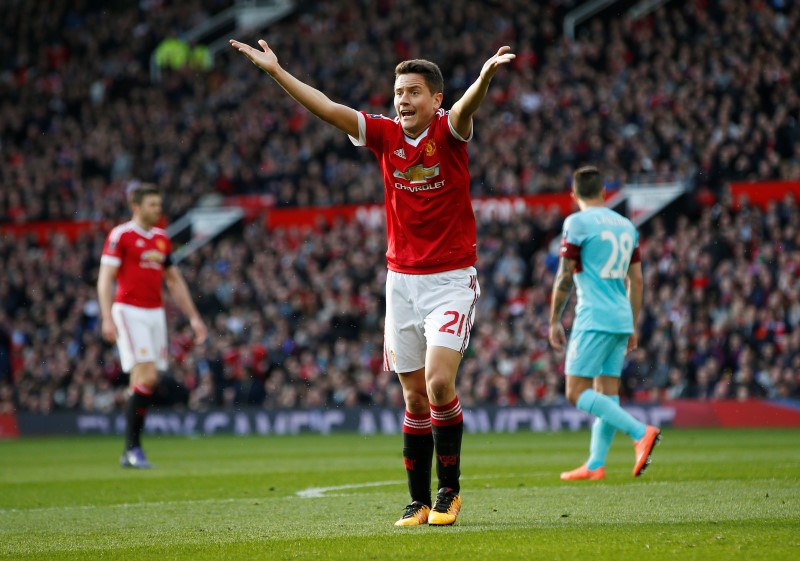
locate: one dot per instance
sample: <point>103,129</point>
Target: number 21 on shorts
<point>458,318</point>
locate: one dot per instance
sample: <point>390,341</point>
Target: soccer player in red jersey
<point>432,286</point>
<point>137,255</point>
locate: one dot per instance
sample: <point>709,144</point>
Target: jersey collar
<point>141,231</point>
<point>415,141</point>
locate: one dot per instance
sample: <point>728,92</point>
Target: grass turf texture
<point>709,495</point>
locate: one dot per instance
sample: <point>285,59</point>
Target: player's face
<point>149,212</point>
<point>414,103</point>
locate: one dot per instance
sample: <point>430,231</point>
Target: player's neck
<point>416,135</point>
<point>142,224</point>
<point>585,204</point>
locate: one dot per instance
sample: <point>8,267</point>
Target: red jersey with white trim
<point>429,218</point>
<point>141,256</point>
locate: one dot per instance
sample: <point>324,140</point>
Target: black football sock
<point>448,429</point>
<point>135,414</point>
<point>418,456</point>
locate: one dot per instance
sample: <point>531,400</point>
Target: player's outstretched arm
<point>462,111</point>
<point>340,116</point>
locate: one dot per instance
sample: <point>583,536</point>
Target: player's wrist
<point>274,72</point>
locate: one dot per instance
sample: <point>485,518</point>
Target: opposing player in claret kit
<point>432,285</point>
<point>137,254</point>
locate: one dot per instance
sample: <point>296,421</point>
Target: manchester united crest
<point>430,147</point>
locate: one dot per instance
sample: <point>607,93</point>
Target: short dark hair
<point>138,191</point>
<point>429,70</point>
<point>587,183</point>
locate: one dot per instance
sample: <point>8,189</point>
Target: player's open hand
<point>265,59</point>
<point>200,330</point>
<point>108,330</point>
<point>633,342</point>
<point>557,337</point>
<point>503,56</point>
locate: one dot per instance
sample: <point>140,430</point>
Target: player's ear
<point>437,100</point>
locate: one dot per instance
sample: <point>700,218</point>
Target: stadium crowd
<point>296,317</point>
<point>705,90</point>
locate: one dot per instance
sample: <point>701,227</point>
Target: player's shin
<point>136,412</point>
<point>448,428</point>
<point>610,412</point>
<point>418,456</point>
<point>602,437</point>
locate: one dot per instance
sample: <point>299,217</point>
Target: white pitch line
<point>321,492</point>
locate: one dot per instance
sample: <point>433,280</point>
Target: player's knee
<point>416,401</point>
<point>440,389</point>
<point>573,394</point>
<point>145,374</point>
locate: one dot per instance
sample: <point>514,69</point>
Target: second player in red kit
<point>137,255</point>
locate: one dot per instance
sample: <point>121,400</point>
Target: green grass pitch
<point>709,495</point>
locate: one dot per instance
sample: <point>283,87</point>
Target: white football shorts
<point>141,335</point>
<point>427,310</point>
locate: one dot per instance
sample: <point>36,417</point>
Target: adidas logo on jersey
<point>401,153</point>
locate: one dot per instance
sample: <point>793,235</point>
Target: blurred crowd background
<point>701,91</point>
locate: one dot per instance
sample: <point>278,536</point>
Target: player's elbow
<point>635,277</point>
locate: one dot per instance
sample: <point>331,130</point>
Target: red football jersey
<point>141,256</point>
<point>429,218</point>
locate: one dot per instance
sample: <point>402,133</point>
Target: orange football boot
<point>584,473</point>
<point>644,449</point>
<point>416,514</point>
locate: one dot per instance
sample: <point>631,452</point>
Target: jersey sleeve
<point>362,131</point>
<point>112,250</point>
<point>455,134</point>
<point>168,257</point>
<point>371,131</point>
<point>572,237</point>
<point>636,256</point>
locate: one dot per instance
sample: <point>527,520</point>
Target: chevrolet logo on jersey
<point>418,173</point>
<point>153,256</point>
<point>152,259</point>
